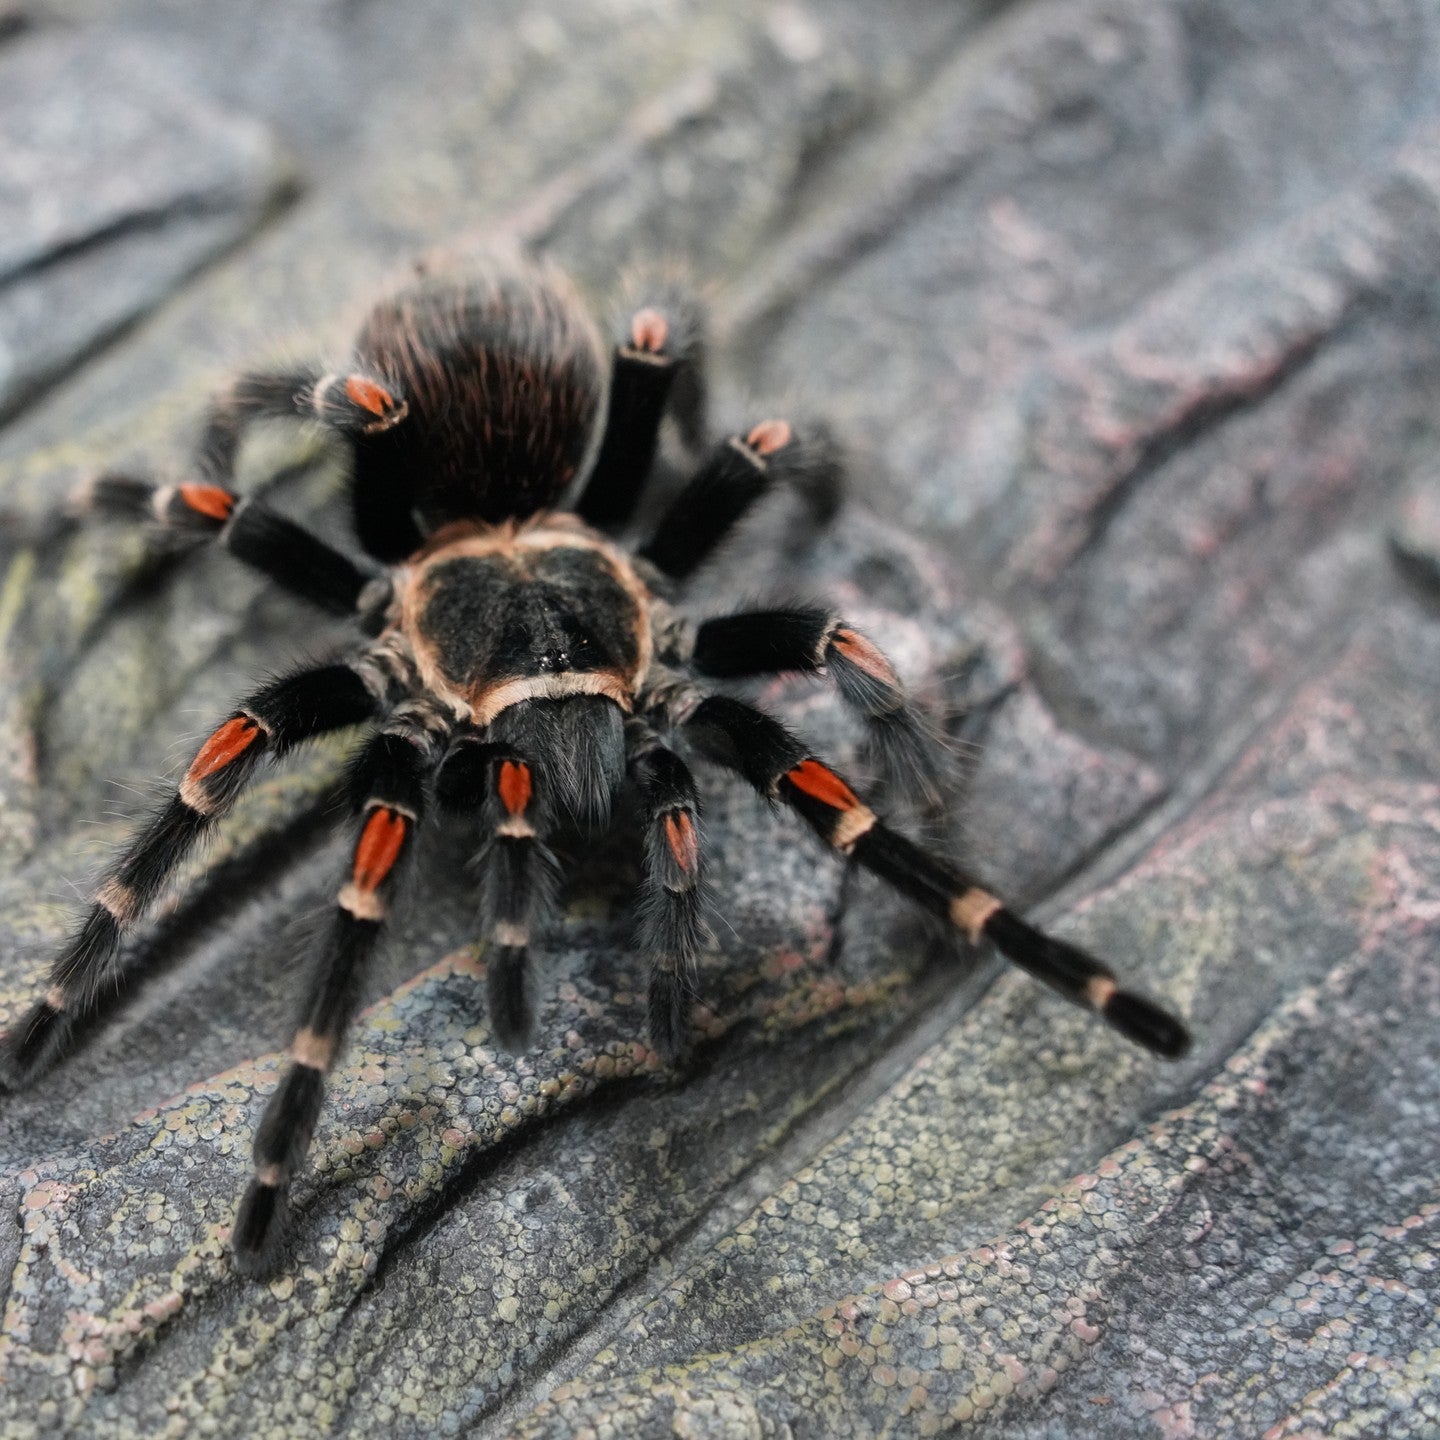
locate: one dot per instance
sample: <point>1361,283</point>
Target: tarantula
<point>515,663</point>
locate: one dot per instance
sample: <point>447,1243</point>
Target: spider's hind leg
<point>657,366</point>
<point>738,472</point>
<point>208,508</point>
<point>349,404</point>
<point>249,529</point>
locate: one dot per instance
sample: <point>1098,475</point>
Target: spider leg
<point>816,641</point>
<point>253,533</point>
<point>739,471</point>
<point>350,404</point>
<point>519,877</point>
<point>270,722</point>
<point>388,783</point>
<point>778,765</point>
<point>656,363</point>
<point>672,924</point>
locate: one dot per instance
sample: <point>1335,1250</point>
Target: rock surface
<point>1128,313</point>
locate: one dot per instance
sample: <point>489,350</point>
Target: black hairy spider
<point>515,663</point>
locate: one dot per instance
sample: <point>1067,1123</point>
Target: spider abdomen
<point>503,381</point>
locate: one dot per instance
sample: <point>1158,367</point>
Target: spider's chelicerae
<point>513,661</point>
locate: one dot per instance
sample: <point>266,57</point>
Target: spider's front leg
<point>270,722</point>
<point>512,792</point>
<point>541,763</point>
<point>779,766</point>
<point>389,785</point>
<point>672,923</point>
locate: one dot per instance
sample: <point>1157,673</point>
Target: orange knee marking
<point>648,330</point>
<point>769,436</point>
<point>860,652</point>
<point>229,742</point>
<point>823,784</point>
<point>683,842</point>
<point>514,786</point>
<point>368,395</point>
<point>209,500</point>
<point>380,844</point>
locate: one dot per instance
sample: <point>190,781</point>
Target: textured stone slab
<point>1129,308</point>
<point>116,182</point>
<point>1250,1260</point>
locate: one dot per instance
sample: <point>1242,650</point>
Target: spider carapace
<point>515,663</point>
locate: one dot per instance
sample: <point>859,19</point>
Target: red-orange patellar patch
<point>683,842</point>
<point>228,743</point>
<point>381,841</point>
<point>821,783</point>
<point>860,652</point>
<point>208,500</point>
<point>514,786</point>
<point>368,395</point>
<point>648,330</point>
<point>769,436</point>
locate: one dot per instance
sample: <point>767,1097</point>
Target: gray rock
<point>116,183</point>
<point>1127,313</point>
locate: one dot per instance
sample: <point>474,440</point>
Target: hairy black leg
<point>256,535</point>
<point>672,924</point>
<point>656,360</point>
<point>816,641</point>
<point>270,722</point>
<point>357,406</point>
<point>779,766</point>
<point>519,877</point>
<point>351,404</point>
<point>388,786</point>
<point>738,472</point>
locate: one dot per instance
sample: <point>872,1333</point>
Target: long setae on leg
<point>389,786</point>
<point>270,722</point>
<point>781,767</point>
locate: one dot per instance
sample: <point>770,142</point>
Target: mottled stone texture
<point>116,183</point>
<point>1128,310</point>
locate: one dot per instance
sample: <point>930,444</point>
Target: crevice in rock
<point>1198,421</point>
